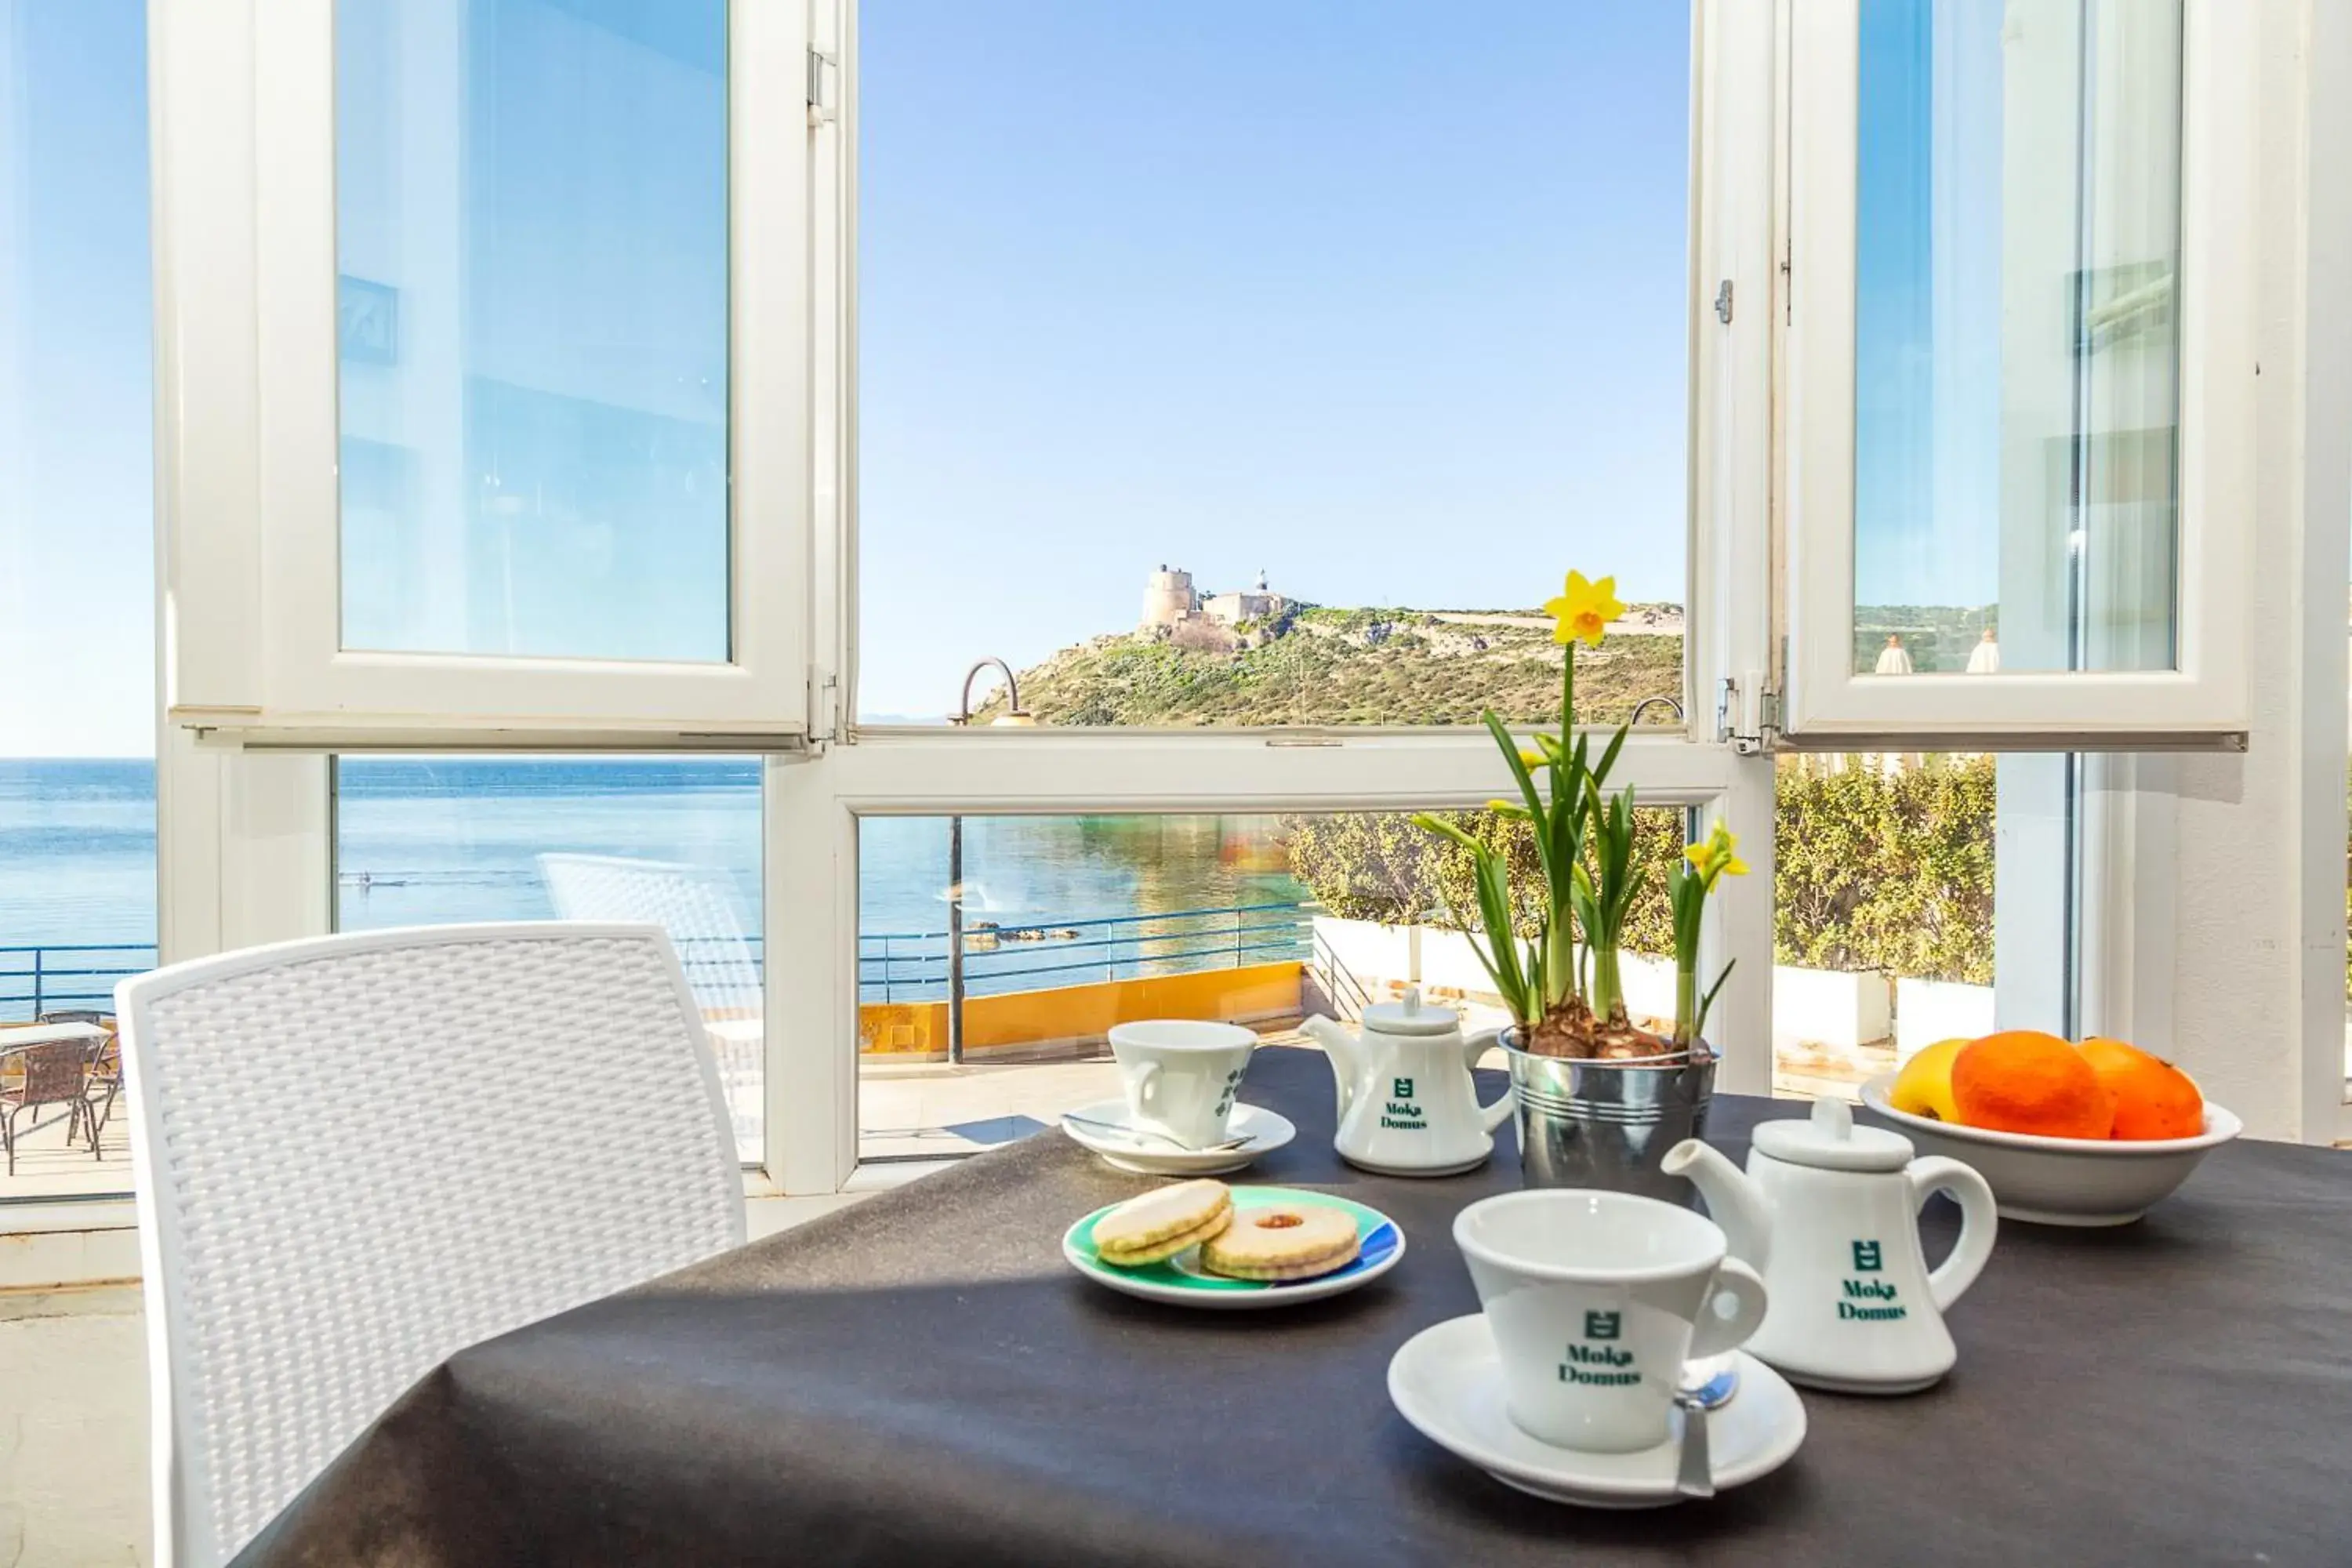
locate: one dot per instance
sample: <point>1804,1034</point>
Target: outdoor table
<point>15,1037</point>
<point>921,1379</point>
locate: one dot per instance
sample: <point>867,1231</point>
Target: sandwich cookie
<point>1281,1241</point>
<point>1163,1223</point>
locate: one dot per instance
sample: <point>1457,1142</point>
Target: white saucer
<point>1265,1130</point>
<point>1447,1382</point>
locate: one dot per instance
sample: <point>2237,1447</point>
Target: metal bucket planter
<point>1596,1124</point>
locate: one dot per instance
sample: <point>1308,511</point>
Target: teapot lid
<point>1410,1016</point>
<point>1829,1140</point>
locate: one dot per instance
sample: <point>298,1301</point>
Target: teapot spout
<point>1345,1049</point>
<point>1735,1201</point>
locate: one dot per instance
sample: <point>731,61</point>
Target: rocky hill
<point>1324,666</point>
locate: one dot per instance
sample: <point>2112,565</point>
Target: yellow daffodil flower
<point>1716,855</point>
<point>1583,610</point>
<point>1533,760</point>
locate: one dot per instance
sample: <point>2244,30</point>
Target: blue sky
<point>76,564</point>
<point>1396,316</point>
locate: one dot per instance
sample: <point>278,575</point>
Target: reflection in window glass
<point>1208,381</point>
<point>76,552</point>
<point>2016,402</point>
<point>532,318</point>
<point>675,842</point>
<point>984,1016</point>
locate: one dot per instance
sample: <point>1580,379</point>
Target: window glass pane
<point>531,317</point>
<point>1208,379</point>
<point>2016,343</point>
<point>1071,924</point>
<point>1882,914</point>
<point>77,580</point>
<point>672,841</point>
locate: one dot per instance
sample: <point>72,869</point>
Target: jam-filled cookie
<point>1282,1241</point>
<point>1163,1223</point>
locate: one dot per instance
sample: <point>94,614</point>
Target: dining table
<point>922,1378</point>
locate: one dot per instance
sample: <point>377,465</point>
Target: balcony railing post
<point>955,940</point>
<point>37,1008</point>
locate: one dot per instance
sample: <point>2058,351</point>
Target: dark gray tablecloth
<point>921,1379</point>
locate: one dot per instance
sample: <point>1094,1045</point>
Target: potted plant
<point>1562,986</point>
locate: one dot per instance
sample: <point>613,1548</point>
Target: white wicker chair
<point>359,1154</point>
<point>697,906</point>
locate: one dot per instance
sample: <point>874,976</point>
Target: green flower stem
<point>1685,1004</point>
<point>1559,957</point>
<point>1564,973</point>
<point>1608,988</point>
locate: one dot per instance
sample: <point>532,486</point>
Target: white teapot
<point>1828,1212</point>
<point>1408,1106</point>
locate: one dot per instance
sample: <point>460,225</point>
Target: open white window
<point>484,347</point>
<point>2019,373</point>
<point>1255,492</point>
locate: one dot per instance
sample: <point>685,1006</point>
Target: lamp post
<point>1013,717</point>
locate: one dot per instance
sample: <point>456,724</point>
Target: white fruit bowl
<point>2062,1180</point>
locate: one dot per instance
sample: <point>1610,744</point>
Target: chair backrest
<point>697,905</point>
<point>54,1070</point>
<point>356,1155</point>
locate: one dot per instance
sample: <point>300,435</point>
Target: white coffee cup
<point>1597,1299</point>
<point>1180,1076</point>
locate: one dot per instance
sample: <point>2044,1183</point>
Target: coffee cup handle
<point>1715,1333</point>
<point>1147,1084</point>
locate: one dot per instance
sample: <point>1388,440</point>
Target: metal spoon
<point>1694,1472</point>
<point>1713,1381</point>
<point>1226,1147</point>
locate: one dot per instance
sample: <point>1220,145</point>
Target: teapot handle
<point>1979,1219</point>
<point>1472,1050</point>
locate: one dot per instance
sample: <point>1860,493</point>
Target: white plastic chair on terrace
<point>357,1155</point>
<point>698,907</point>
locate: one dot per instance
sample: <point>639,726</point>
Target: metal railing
<point>912,966</point>
<point>1346,995</point>
<point>35,980</point>
<point>892,966</point>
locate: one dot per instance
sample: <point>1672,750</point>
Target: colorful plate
<point>1182,1280</point>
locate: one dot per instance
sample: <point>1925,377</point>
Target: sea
<point>429,840</point>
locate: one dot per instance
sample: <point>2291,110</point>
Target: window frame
<point>2202,703</point>
<point>815,804</point>
<point>814,808</point>
<point>243,863</point>
<point>243,94</point>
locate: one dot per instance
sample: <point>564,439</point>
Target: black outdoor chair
<point>105,1066</point>
<point>56,1072</point>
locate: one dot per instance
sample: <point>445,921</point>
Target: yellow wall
<point>1074,1014</point>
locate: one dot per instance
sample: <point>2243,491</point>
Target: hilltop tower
<point>1169,598</point>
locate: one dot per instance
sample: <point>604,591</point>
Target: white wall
<point>2253,975</point>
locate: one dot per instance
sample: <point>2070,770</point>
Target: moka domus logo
<point>1869,1300</point>
<point>1401,1111</point>
<point>1597,1360</point>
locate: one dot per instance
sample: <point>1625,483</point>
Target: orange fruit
<point>2023,1080</point>
<point>2153,1098</point>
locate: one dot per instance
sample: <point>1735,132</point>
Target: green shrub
<point>1891,871</point>
<point>1383,869</point>
<point>1888,871</point>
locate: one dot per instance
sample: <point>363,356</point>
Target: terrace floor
<point>47,1168</point>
